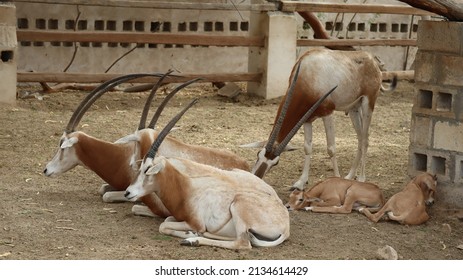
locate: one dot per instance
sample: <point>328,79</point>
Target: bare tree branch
<point>451,9</point>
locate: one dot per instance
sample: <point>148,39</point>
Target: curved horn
<point>298,125</point>
<point>279,122</point>
<point>95,94</point>
<point>155,146</point>
<point>144,113</point>
<point>164,102</point>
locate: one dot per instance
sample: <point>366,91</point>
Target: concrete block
<point>425,67</point>
<point>418,160</point>
<point>458,175</point>
<point>421,131</point>
<point>448,135</point>
<point>451,70</point>
<point>6,16</point>
<point>8,53</point>
<point>440,36</point>
<point>428,160</point>
<point>450,195</point>
<point>440,164</point>
<point>438,101</point>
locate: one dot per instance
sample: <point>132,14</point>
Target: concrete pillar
<point>8,48</point>
<point>278,56</point>
<point>436,139</point>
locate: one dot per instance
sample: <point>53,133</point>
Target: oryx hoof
<point>190,234</point>
<point>106,188</point>
<point>309,208</point>
<point>142,210</point>
<point>114,197</point>
<point>189,242</point>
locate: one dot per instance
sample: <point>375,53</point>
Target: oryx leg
<point>361,119</point>
<point>325,203</point>
<point>241,241</point>
<point>114,196</point>
<point>177,229</point>
<point>376,216</point>
<point>345,208</point>
<point>308,152</point>
<point>106,188</point>
<point>142,210</point>
<point>330,142</point>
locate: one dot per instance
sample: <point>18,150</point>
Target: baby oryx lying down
<point>210,206</point>
<point>337,195</point>
<point>408,206</point>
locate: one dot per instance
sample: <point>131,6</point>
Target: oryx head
<point>269,155</point>
<point>137,137</point>
<point>153,164</point>
<point>67,156</point>
<point>428,185</point>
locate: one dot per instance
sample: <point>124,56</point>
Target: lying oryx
<point>117,163</point>
<point>210,206</point>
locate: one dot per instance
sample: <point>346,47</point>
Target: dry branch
<point>451,9</point>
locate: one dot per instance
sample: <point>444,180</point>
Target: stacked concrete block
<point>8,56</point>
<point>436,139</point>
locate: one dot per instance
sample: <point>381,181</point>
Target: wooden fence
<point>211,40</point>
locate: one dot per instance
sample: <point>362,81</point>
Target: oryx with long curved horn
<point>358,77</point>
<point>209,206</point>
<point>117,163</point>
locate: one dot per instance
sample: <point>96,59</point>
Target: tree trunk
<point>319,30</point>
<point>451,9</point>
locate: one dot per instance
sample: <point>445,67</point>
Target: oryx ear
<point>69,142</point>
<point>157,166</point>
<point>254,145</point>
<point>128,138</point>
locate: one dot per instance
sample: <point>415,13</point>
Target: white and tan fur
<point>359,82</point>
<point>337,195</point>
<point>117,163</point>
<point>408,206</point>
<point>210,206</point>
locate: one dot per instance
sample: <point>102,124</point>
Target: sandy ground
<point>65,218</point>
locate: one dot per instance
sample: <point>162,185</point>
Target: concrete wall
<point>8,50</point>
<point>371,26</point>
<point>436,139</point>
<point>96,57</point>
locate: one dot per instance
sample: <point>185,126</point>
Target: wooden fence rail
<point>62,77</point>
<point>208,40</point>
<point>139,37</point>
<point>299,6</point>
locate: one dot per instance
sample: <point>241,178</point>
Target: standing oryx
<point>359,82</point>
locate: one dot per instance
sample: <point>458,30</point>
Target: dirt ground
<point>65,218</point>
